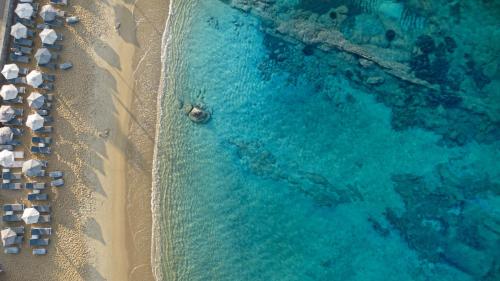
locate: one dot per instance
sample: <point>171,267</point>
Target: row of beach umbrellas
<point>25,11</point>
<point>34,121</point>
<point>47,35</point>
<point>30,216</point>
<point>34,78</point>
<point>9,92</point>
<point>35,100</point>
<point>30,168</point>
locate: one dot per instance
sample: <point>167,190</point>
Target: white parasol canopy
<point>8,92</point>
<point>34,78</point>
<point>30,215</point>
<point>34,121</point>
<point>6,135</point>
<point>32,167</point>
<point>10,71</point>
<point>6,158</point>
<point>48,36</point>
<point>8,236</point>
<point>6,113</point>
<point>24,10</point>
<point>36,100</point>
<point>19,31</point>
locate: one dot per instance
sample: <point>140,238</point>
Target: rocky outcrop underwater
<point>423,59</point>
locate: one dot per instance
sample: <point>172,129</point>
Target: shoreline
<point>103,141</point>
<point>155,195</point>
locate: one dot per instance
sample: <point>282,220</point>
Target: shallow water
<point>308,171</point>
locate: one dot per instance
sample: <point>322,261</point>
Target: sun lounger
<point>18,80</point>
<point>59,2</point>
<point>40,150</point>
<point>39,242</point>
<point>11,250</point>
<point>17,131</point>
<point>50,24</point>
<point>44,219</point>
<point>21,49</point>
<point>48,119</point>
<point>16,100</point>
<point>18,111</point>
<point>34,185</point>
<point>46,140</point>
<point>57,183</point>
<point>49,97</point>
<point>44,130</point>
<point>40,174</point>
<point>56,174</point>
<point>55,47</point>
<point>41,231</point>
<point>42,112</point>
<point>42,209</point>
<point>15,122</point>
<point>24,70</point>
<point>65,66</point>
<point>19,58</point>
<point>39,252</point>
<point>6,147</point>
<point>11,186</point>
<point>24,42</point>
<point>13,142</point>
<point>17,164</point>
<point>19,154</point>
<point>18,241</point>
<point>48,77</point>
<point>38,197</point>
<point>47,86</point>
<point>26,22</point>
<point>11,176</point>
<point>72,20</point>
<point>19,230</point>
<point>50,65</point>
<point>13,207</point>
<point>12,218</point>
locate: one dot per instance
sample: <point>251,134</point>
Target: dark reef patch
<point>446,224</point>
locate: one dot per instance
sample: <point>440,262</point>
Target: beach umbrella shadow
<point>94,230</point>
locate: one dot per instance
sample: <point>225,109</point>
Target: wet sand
<point>105,114</point>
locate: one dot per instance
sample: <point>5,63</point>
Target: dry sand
<point>105,115</point>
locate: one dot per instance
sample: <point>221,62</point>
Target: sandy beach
<point>105,114</point>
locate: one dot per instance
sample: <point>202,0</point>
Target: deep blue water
<point>306,171</point>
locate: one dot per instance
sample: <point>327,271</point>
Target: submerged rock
<point>390,35</point>
<point>199,115</point>
<point>426,44</point>
<point>375,80</point>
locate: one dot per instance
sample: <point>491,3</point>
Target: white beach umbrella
<point>10,71</point>
<point>6,113</point>
<point>32,167</point>
<point>34,121</point>
<point>6,158</point>
<point>36,100</point>
<point>19,31</point>
<point>30,215</point>
<point>34,78</point>
<point>8,92</point>
<point>24,11</point>
<point>48,13</point>
<point>6,135</point>
<point>8,236</point>
<point>48,36</point>
<point>43,56</point>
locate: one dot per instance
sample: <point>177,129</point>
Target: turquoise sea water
<point>317,164</point>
